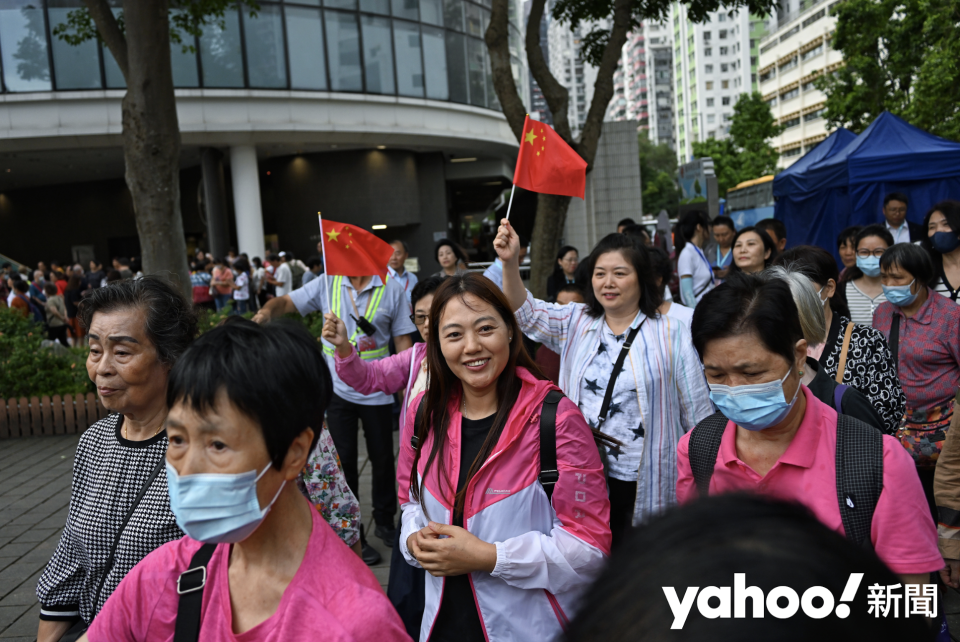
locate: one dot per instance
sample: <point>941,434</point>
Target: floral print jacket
<point>323,483</point>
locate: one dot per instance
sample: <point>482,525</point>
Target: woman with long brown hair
<point>508,544</point>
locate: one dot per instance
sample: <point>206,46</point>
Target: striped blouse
<point>673,390</point>
<point>861,306</point>
<point>942,287</point>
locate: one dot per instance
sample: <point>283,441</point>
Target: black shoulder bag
<point>599,436</point>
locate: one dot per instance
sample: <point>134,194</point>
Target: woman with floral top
<point>659,394</point>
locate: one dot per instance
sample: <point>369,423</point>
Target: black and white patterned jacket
<point>108,473</point>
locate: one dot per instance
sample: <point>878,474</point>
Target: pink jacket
<point>547,553</point>
<point>396,372</point>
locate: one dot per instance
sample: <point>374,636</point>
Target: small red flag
<point>546,163</point>
<point>352,251</point>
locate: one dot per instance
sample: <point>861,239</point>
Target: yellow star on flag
<point>530,137</point>
<point>332,235</point>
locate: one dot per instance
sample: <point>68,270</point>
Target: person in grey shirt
<point>373,312</point>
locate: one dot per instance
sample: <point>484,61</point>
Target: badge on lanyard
<point>366,343</point>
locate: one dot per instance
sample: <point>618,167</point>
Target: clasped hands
<point>445,550</point>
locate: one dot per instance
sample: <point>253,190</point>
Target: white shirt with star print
<point>624,419</point>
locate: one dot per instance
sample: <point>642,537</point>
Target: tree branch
<point>110,32</point>
<point>553,92</point>
<point>497,38</point>
<point>603,87</point>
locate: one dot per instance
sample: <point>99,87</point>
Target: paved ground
<point>35,476</point>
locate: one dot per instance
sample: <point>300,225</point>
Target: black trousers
<point>623,496</point>
<point>342,420</point>
<point>58,333</point>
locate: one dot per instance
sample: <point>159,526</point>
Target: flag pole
<point>323,246</point>
<point>509,205</point>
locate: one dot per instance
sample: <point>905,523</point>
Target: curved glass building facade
<point>414,48</point>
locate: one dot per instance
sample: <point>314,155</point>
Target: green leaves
<point>658,167</point>
<point>746,154</point>
<point>26,369</point>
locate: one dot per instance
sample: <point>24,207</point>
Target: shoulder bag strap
<point>190,586</point>
<point>838,393</point>
<point>895,338</point>
<point>859,477</point>
<point>703,447</point>
<point>841,368</point>
<point>116,540</point>
<point>549,474</point>
<point>617,367</point>
<point>414,441</point>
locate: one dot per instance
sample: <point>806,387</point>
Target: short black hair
<point>171,323</point>
<point>21,286</point>
<point>314,261</point>
<point>951,211</point>
<point>453,247</point>
<point>880,231</point>
<point>768,541</point>
<point>651,296</point>
<point>123,260</point>
<point>288,255</point>
<point>273,257</point>
<point>757,304</point>
<point>767,245</point>
<point>636,232</point>
<point>15,277</point>
<point>661,264</point>
<point>811,261</point>
<point>911,258</point>
<point>773,225</point>
<point>403,244</point>
<point>848,234</point>
<point>275,374</point>
<point>626,221</point>
<point>895,196</point>
<point>687,226</point>
<point>50,288</point>
<point>427,286</point>
<point>572,288</point>
<point>241,265</point>
<point>724,220</point>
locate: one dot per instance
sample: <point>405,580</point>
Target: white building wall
<point>566,66</point>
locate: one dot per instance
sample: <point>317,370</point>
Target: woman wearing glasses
<point>864,290</point>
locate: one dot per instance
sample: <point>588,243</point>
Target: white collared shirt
<point>901,235</point>
<point>408,280</point>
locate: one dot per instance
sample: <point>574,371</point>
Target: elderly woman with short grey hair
<point>119,509</point>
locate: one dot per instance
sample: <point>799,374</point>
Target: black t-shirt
<point>853,403</point>
<point>458,620</point>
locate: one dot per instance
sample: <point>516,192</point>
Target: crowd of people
<point>561,460</point>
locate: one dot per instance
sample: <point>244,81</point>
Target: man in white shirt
<point>405,279</point>
<point>895,214</point>
<point>282,278</point>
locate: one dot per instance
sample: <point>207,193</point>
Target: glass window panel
<point>485,22</point>
<point>435,63</point>
<point>475,71</point>
<point>406,9</point>
<point>453,14</point>
<point>406,43</point>
<point>73,67</point>
<point>220,54</point>
<point>376,6</point>
<point>341,4</point>
<point>312,3</point>
<point>23,42</point>
<point>184,63</point>
<point>377,55</point>
<point>263,38</point>
<point>343,51</point>
<point>111,70</point>
<point>474,23</point>
<point>431,12</point>
<point>457,67</point>
<point>308,70</point>
<point>492,101</point>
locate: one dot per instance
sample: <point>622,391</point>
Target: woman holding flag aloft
<point>633,373</point>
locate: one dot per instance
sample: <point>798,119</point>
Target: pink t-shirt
<point>333,597</point>
<point>903,534</point>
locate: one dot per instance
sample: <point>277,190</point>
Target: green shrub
<point>26,369</point>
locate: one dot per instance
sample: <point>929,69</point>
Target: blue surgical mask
<point>217,508</point>
<point>756,406</point>
<point>900,295</point>
<point>869,265</point>
<point>945,242</point>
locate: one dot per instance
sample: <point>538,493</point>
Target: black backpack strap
<point>703,447</point>
<point>617,367</point>
<point>116,540</point>
<point>895,338</point>
<point>414,441</point>
<point>549,475</point>
<point>859,477</point>
<point>190,588</point>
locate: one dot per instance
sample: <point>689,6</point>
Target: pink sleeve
<point>580,495</point>
<point>405,457</point>
<point>903,533</point>
<point>686,487</point>
<point>381,375</point>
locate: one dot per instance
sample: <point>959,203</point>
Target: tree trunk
<point>545,241</point>
<point>151,140</point>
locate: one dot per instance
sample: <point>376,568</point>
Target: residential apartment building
<point>713,62</point>
<point>791,59</point>
<point>571,71</point>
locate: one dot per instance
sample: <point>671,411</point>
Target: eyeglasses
<point>419,319</point>
<point>867,253</point>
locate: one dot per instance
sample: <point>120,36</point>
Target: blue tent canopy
<point>843,184</point>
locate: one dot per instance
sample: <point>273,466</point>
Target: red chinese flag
<point>352,251</point>
<point>546,163</point>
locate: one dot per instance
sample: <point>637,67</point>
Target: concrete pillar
<point>246,200</point>
<point>215,201</point>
